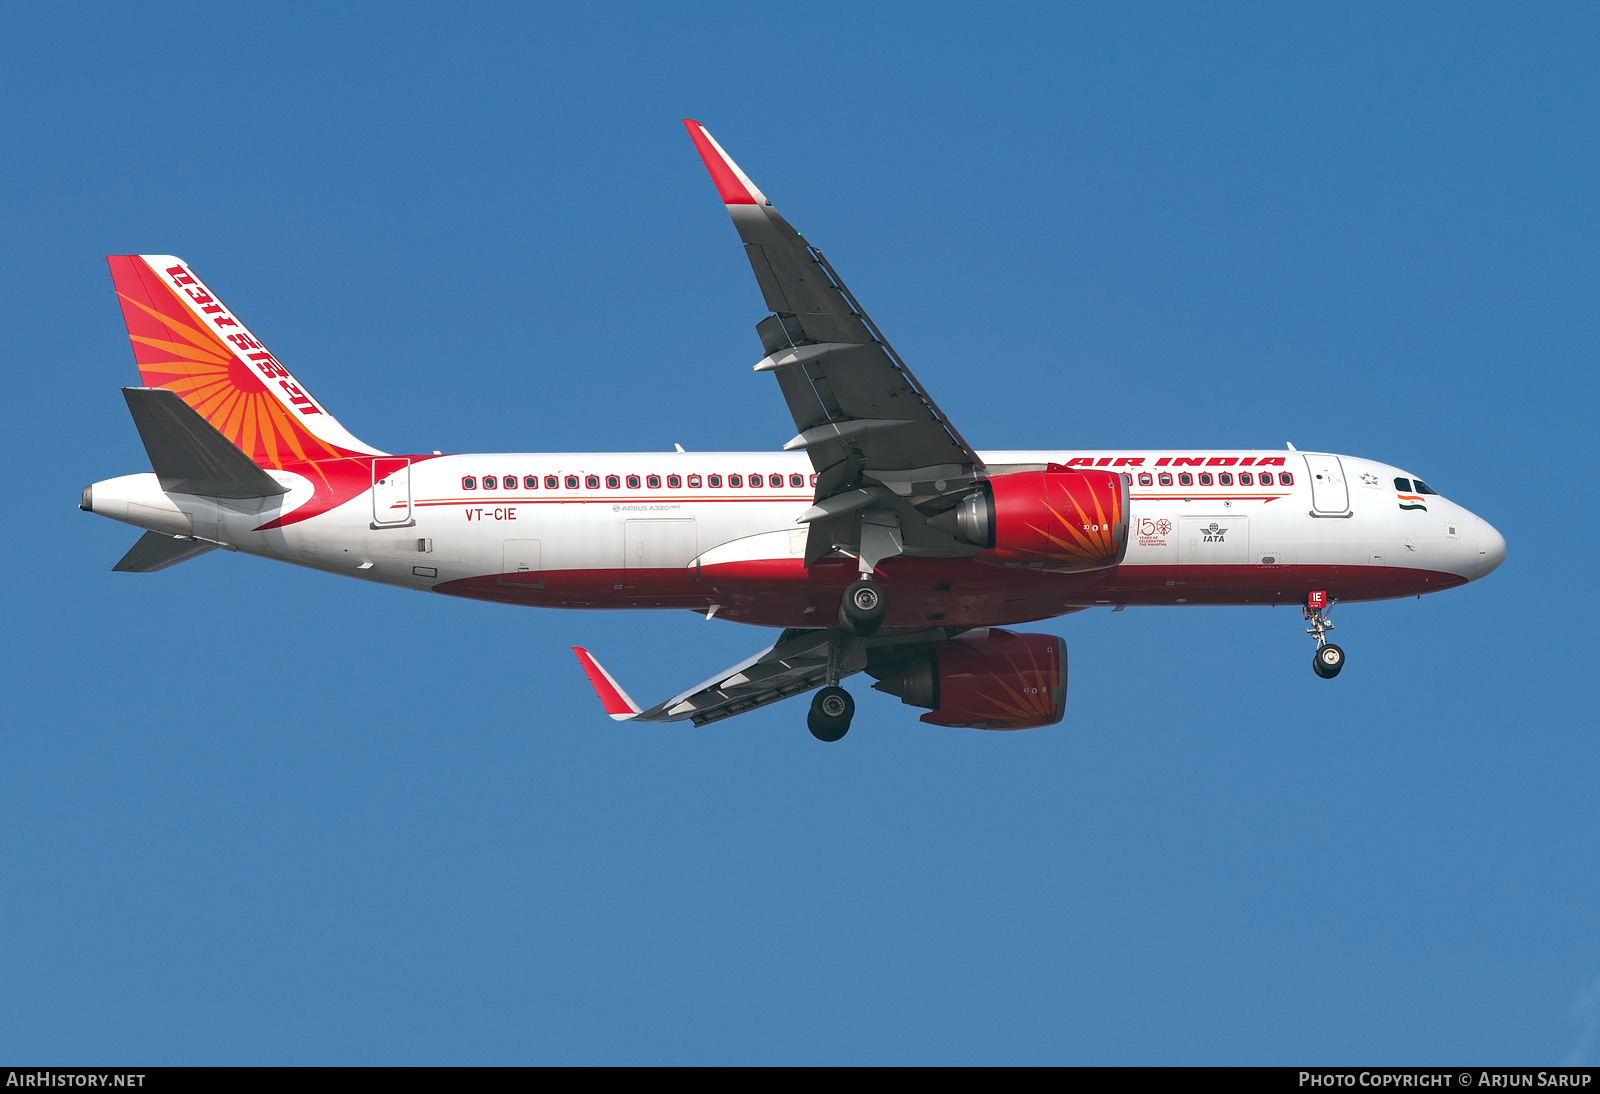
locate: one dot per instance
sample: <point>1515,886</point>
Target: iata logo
<point>1213,534</point>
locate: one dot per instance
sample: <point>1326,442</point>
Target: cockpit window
<point>1424,488</point>
<point>1403,485</point>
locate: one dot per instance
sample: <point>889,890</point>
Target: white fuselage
<point>422,528</point>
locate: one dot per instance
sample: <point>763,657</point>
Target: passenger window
<point>530,482</point>
<point>551,482</point>
<point>1205,478</point>
<point>613,483</point>
<point>756,481</point>
<point>1285,479</point>
<point>673,482</point>
<point>1166,478</point>
<point>633,482</point>
<point>714,481</point>
<point>1246,479</point>
<point>508,481</point>
<point>1146,479</point>
<point>797,481</point>
<point>1266,478</point>
<point>488,482</point>
<point>813,480</point>
<point>468,482</point>
<point>735,480</point>
<point>592,481</point>
<point>1424,488</point>
<point>694,482</point>
<point>1403,485</point>
<point>572,482</point>
<point>1185,479</point>
<point>653,481</point>
<point>1225,479</point>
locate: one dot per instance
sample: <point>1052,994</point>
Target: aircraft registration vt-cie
<point>878,539</point>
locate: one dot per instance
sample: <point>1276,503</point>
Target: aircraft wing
<point>886,455</point>
<point>796,663</point>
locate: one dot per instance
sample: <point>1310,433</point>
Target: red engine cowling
<point>1061,518</point>
<point>985,679</point>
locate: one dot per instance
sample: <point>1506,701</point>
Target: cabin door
<point>391,492</point>
<point>1329,494</point>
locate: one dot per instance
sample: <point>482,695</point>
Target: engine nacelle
<point>984,679</point>
<point>1061,518</point>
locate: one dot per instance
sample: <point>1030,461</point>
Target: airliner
<point>877,540</point>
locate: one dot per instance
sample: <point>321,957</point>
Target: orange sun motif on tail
<point>222,374</point>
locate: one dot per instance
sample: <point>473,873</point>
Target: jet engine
<point>984,679</point>
<point>1061,518</point>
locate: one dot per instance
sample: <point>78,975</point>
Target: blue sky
<point>256,814</point>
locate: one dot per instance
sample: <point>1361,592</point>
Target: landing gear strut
<point>861,611</point>
<point>1328,659</point>
<point>832,708</point>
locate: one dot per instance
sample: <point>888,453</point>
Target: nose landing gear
<point>1329,658</point>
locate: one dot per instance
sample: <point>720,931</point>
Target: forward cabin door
<point>391,492</point>
<point>1329,494</point>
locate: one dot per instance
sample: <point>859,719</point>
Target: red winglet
<point>612,697</point>
<point>732,183</point>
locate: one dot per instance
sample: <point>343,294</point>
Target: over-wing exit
<point>876,540</point>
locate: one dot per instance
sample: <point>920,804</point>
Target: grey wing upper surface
<point>886,456</point>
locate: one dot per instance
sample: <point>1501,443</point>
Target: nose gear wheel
<point>1329,658</point>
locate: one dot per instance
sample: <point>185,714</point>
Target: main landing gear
<point>860,614</point>
<point>861,610</point>
<point>831,711</point>
<point>832,708</point>
<point>1328,659</point>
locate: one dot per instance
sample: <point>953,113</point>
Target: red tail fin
<point>184,339</point>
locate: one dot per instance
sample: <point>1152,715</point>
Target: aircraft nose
<point>1491,548</point>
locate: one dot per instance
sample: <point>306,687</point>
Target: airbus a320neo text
<point>877,539</point>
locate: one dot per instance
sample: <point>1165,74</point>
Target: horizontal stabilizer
<point>156,551</point>
<point>188,454</point>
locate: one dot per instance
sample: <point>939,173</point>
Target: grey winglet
<point>188,454</point>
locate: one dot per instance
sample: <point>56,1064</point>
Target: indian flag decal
<point>1412,501</point>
